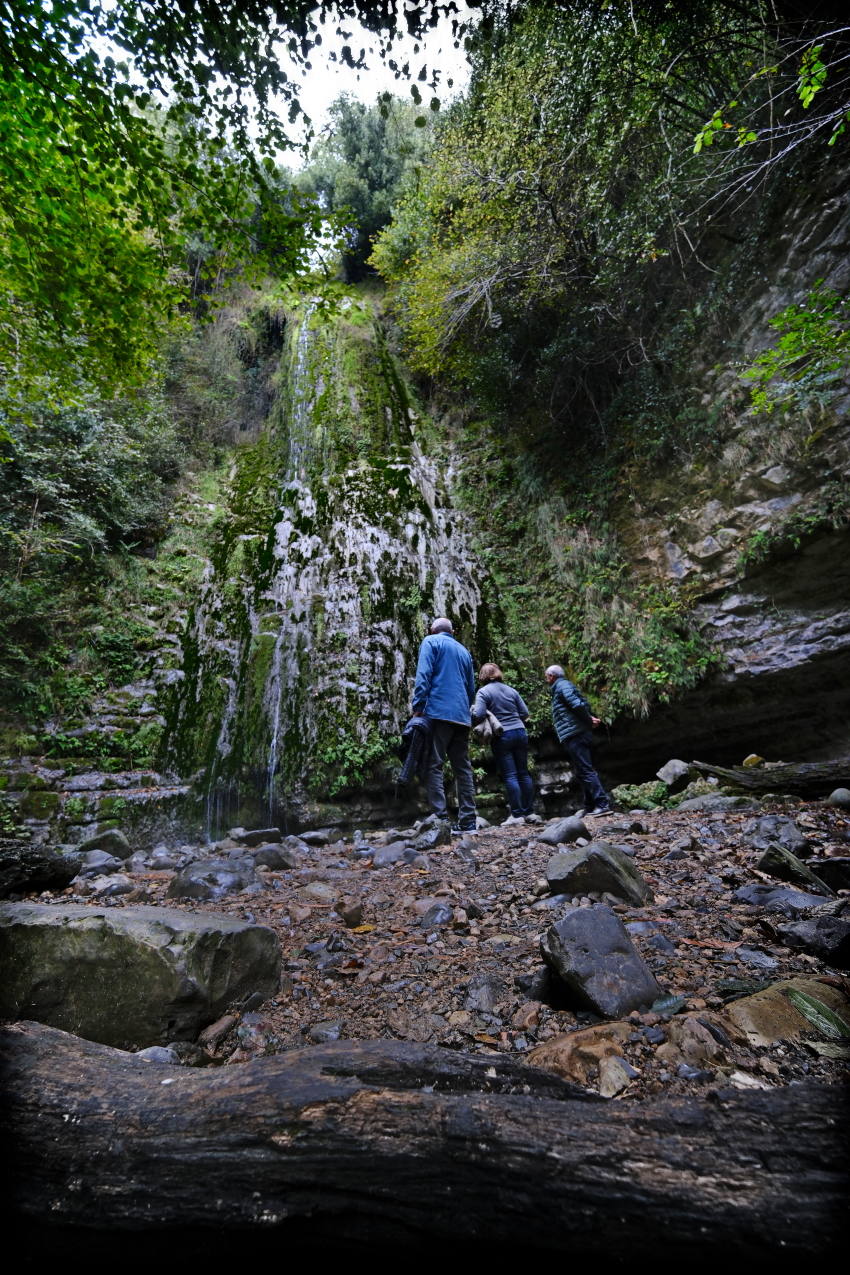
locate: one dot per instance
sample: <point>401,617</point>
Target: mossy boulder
<point>130,977</point>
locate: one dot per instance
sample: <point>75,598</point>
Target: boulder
<point>578,1055</point>
<point>675,774</point>
<point>594,957</point>
<point>559,831</point>
<point>599,868</point>
<point>112,840</point>
<point>779,862</point>
<point>777,898</point>
<point>133,976</point>
<point>839,797</point>
<point>255,836</point>
<point>275,856</point>
<point>827,937</point>
<point>211,879</point>
<point>717,802</point>
<point>777,829</point>
<point>769,1016</point>
<point>25,868</point>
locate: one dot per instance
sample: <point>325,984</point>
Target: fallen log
<point>384,1143</point>
<point>806,779</point>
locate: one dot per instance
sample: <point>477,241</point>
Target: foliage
<point>830,511</point>
<point>357,165</point>
<point>807,363</point>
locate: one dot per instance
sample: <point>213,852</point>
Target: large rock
<point>211,879</point>
<point>777,898</point>
<point>562,830</point>
<point>25,867</point>
<point>675,774</point>
<point>778,829</point>
<point>598,868</point>
<point>717,802</point>
<point>578,1055</point>
<point>769,1016</point>
<point>779,862</point>
<point>593,955</point>
<point>827,937</point>
<point>132,976</point>
<point>112,840</point>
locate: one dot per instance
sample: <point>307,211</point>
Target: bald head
<point>442,625</point>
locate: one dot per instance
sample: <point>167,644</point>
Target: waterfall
<point>340,543</point>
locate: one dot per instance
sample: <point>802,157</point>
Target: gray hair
<point>555,670</point>
<point>442,625</point>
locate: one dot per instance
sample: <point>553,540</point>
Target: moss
<point>39,805</point>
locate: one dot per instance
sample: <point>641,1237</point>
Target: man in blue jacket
<point>443,693</point>
<point>573,723</point>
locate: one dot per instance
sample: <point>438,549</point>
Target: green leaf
<point>827,1022</point>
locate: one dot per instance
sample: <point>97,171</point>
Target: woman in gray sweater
<point>511,747</point>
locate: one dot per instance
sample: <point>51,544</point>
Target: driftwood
<point>381,1143</point>
<point>806,779</point>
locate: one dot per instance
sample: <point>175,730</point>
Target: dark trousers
<point>578,750</point>
<point>450,740</point>
<point>511,752</point>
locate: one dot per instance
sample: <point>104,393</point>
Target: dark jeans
<point>450,740</point>
<point>511,752</point>
<point>578,751</point>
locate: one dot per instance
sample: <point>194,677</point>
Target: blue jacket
<point>445,680</point>
<point>570,710</point>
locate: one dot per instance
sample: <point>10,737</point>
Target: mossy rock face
<point>111,807</point>
<point>130,977</point>
<point>649,796</point>
<point>39,805</point>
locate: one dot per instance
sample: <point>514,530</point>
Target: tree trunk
<point>807,779</point>
<point>380,1143</point>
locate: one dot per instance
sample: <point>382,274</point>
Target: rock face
<point>593,955</point>
<point>25,867</point>
<point>598,868</point>
<point>129,977</point>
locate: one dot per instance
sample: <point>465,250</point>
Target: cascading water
<point>300,653</point>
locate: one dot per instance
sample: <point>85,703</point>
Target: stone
<point>827,937</point>
<point>835,872</point>
<point>25,868</point>
<point>675,774</point>
<point>351,912</point>
<point>439,834</point>
<point>385,856</point>
<point>438,915</point>
<point>601,868</point>
<point>717,802</point>
<point>324,1032</point>
<point>484,993</point>
<point>779,862</point>
<point>594,957</point>
<point>768,1017</point>
<point>256,836</point>
<point>275,856</point>
<point>132,976</point>
<point>211,879</point>
<point>691,1040</point>
<point>159,1054</point>
<point>559,831</point>
<point>778,829</point>
<point>106,887</point>
<point>319,892</point>
<point>615,1075</point>
<point>839,797</point>
<point>753,956</point>
<point>777,898</point>
<point>753,759</point>
<point>112,840</point>
<point>577,1055</point>
<point>99,863</point>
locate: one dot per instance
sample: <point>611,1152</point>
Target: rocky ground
<point>388,936</point>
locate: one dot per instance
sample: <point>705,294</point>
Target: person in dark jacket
<point>443,693</point>
<point>573,722</point>
<point>511,747</point>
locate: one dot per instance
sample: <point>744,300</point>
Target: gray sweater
<point>504,702</point>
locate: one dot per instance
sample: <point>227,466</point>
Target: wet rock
<point>25,867</point>
<point>598,868</point>
<point>839,797</point>
<point>675,774</point>
<point>99,863</point>
<point>439,834</point>
<point>319,836</point>
<point>769,1016</point>
<point>577,1055</point>
<point>779,862</point>
<point>827,937</point>
<point>560,831</point>
<point>484,993</point>
<point>106,887</point>
<point>593,955</point>
<point>159,1054</point>
<point>112,840</point>
<point>437,915</point>
<point>760,960</point>
<point>211,879</point>
<point>130,976</point>
<point>777,898</point>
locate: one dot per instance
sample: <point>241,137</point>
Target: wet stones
<point>777,898</point>
<point>131,976</point>
<point>593,955</point>
<point>598,868</point>
<point>211,879</point>
<point>560,831</point>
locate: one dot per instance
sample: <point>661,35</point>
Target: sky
<point>328,79</point>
